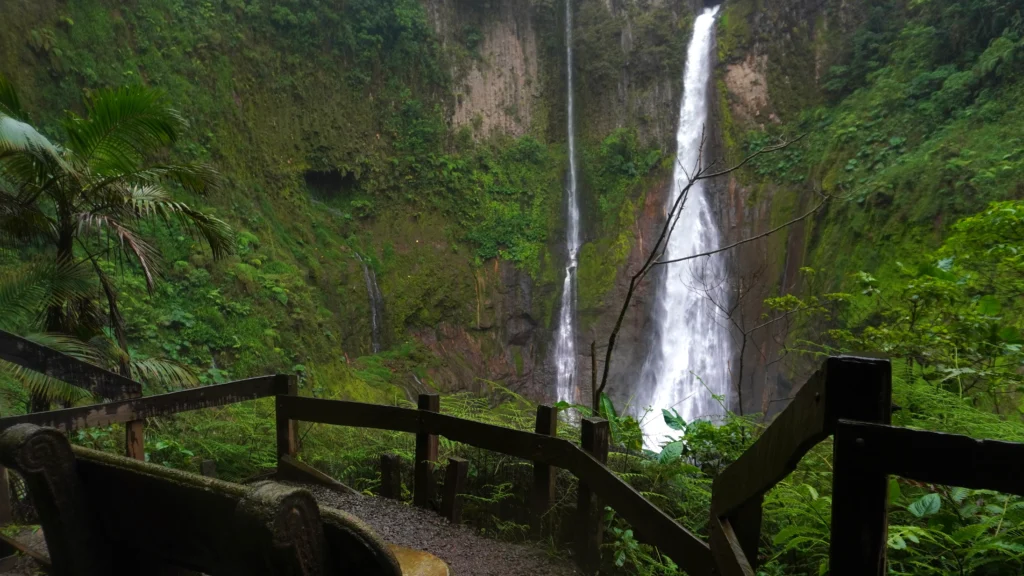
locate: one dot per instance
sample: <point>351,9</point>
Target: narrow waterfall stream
<point>565,339</point>
<point>376,304</point>
<point>691,348</point>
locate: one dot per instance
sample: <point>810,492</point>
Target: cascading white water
<point>565,340</point>
<point>376,304</point>
<point>690,343</point>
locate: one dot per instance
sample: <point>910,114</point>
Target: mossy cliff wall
<point>426,137</point>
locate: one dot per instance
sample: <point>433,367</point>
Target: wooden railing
<point>849,398</point>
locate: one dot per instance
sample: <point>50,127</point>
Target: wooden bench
<point>103,514</point>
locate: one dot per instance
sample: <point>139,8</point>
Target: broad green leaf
<point>812,492</point>
<point>925,506</point>
<point>607,409</point>
<point>671,452</point>
<point>673,420</point>
<point>894,490</point>
<point>989,305</point>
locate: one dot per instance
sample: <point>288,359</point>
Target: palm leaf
<point>18,136</point>
<point>27,290</point>
<point>10,104</point>
<point>128,240</point>
<point>50,388</point>
<point>121,128</point>
<point>154,200</point>
<point>157,372</point>
<point>163,373</point>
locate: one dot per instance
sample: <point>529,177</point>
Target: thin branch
<point>748,240</point>
<point>765,150</point>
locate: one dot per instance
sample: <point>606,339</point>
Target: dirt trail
<point>466,552</point>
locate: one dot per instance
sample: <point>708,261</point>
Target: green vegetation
<point>330,125</point>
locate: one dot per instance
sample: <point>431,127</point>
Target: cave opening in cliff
<point>329,184</point>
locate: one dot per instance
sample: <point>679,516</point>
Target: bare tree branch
<point>748,240</point>
<point>657,251</point>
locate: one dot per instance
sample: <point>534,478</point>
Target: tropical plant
<point>84,202</point>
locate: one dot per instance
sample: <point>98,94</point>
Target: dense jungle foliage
<point>273,147</point>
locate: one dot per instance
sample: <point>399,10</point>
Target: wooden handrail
<point>865,454</point>
<point>844,387</point>
<point>650,523</point>
<point>147,407</point>
<point>925,456</point>
<point>47,361</point>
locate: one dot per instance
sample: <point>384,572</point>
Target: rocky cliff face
<point>290,112</point>
<point>773,55</point>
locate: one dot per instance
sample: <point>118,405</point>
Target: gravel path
<point>466,552</point>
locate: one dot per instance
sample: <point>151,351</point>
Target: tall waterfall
<point>691,351</point>
<point>376,304</point>
<point>565,342</point>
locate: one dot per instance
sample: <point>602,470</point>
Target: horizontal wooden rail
<point>47,361</point>
<point>160,405</point>
<point>938,458</point>
<point>650,524</point>
<point>844,387</point>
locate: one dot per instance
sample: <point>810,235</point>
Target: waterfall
<point>691,349</point>
<point>376,304</point>
<point>565,340</point>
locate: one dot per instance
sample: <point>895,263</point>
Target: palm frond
<point>18,136</point>
<point>163,373</point>
<point>157,372</point>
<point>10,104</point>
<point>129,241</point>
<point>21,221</point>
<point>69,346</point>
<point>154,200</point>
<point>29,289</point>
<point>122,127</point>
<point>50,389</point>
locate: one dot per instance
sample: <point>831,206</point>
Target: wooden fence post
<point>454,484</point>
<point>135,436</point>
<point>594,439</point>
<point>6,513</point>
<point>426,454</point>
<point>390,476</point>
<point>287,429</point>
<point>543,475</point>
<point>861,389</point>
<point>208,468</point>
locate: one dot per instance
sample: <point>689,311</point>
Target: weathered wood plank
<point>6,513</point>
<point>426,454</point>
<point>100,382</point>
<point>455,476</point>
<point>594,435</point>
<point>543,474</point>
<point>390,476</point>
<point>141,408</point>
<point>810,418</point>
<point>208,468</point>
<point>135,439</point>
<point>925,457</point>
<point>286,386</point>
<point>729,554</point>
<point>859,489</point>
<point>650,524</point>
<point>290,469</point>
